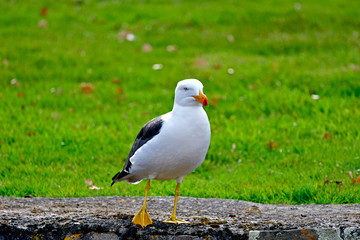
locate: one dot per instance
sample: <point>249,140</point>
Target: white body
<point>181,145</point>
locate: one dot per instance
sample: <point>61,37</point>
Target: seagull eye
<point>186,89</point>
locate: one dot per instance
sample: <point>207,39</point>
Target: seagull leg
<point>173,218</point>
<point>142,217</point>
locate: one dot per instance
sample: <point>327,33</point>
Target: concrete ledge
<point>110,218</point>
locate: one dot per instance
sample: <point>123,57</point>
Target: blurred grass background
<point>282,78</point>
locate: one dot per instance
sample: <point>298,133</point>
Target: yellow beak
<point>202,99</point>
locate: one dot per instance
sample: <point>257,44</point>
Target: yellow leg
<point>142,217</point>
<point>173,218</point>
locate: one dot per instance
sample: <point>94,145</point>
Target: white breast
<point>178,149</point>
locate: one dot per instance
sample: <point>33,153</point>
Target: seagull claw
<point>142,218</point>
<point>175,220</point>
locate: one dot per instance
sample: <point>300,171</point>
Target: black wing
<point>147,132</point>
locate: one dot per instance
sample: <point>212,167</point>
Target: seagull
<point>170,146</point>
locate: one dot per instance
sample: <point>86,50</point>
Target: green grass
<point>53,137</point>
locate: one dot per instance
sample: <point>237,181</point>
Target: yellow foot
<point>142,218</point>
<point>175,220</point>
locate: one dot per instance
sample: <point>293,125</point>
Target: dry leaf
<point>171,48</point>
<point>200,62</point>
<point>89,182</point>
<point>230,38</point>
<point>233,146</point>
<point>215,100</point>
<point>272,145</point>
<point>328,135</point>
<point>326,181</point>
<point>44,11</point>
<point>21,94</point>
<point>355,181</point>
<point>116,81</point>
<point>42,23</point>
<point>355,67</point>
<point>55,116</point>
<point>253,86</point>
<point>31,133</point>
<point>145,113</point>
<point>275,66</point>
<point>146,47</point>
<point>297,6</point>
<point>217,66</point>
<point>122,35</point>
<point>87,88</point>
<point>119,90</point>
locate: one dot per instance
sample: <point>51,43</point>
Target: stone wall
<point>110,218</point>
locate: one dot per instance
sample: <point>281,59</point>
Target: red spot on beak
<point>202,99</point>
<point>205,102</point>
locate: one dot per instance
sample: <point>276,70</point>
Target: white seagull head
<point>189,92</point>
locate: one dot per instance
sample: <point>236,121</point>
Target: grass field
<point>282,77</point>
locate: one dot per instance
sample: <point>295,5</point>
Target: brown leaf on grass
<point>119,90</point>
<point>42,23</point>
<point>1,143</point>
<point>275,66</point>
<point>253,86</point>
<point>116,81</point>
<point>230,38</point>
<point>87,88</point>
<point>217,66</point>
<point>215,100</point>
<point>122,35</point>
<point>355,181</point>
<point>355,67</point>
<point>233,146</point>
<point>200,62</point>
<point>326,182</point>
<point>272,145</point>
<point>171,48</point>
<point>71,110</point>
<point>146,47</point>
<point>328,135</point>
<point>21,94</point>
<point>89,182</point>
<point>31,133</point>
<point>55,115</point>
<point>43,11</point>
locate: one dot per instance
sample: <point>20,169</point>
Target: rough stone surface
<point>110,218</point>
